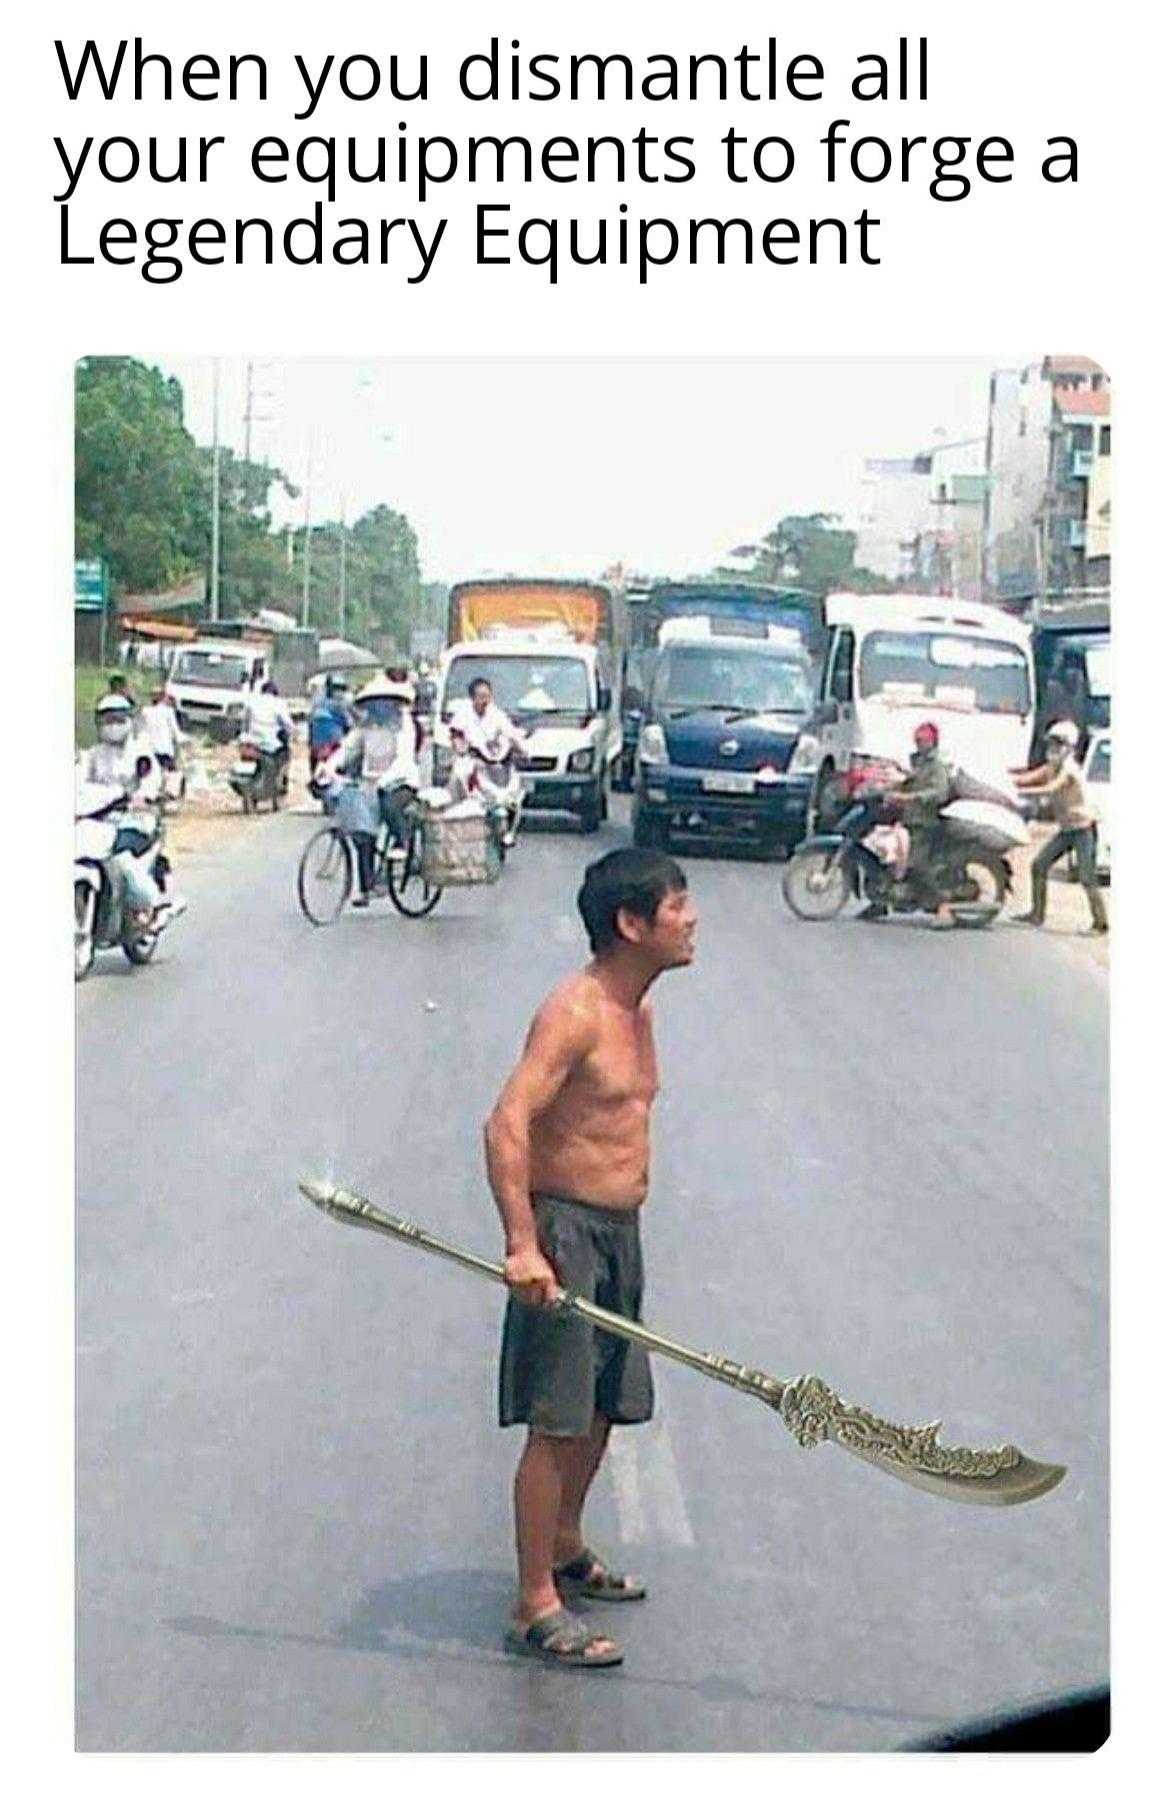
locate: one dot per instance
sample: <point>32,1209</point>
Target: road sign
<point>90,585</point>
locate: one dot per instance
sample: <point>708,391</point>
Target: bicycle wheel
<point>408,888</point>
<point>325,876</point>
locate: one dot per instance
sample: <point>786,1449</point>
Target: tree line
<point>142,499</point>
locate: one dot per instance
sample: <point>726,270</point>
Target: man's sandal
<point>563,1640</point>
<point>588,1578</point>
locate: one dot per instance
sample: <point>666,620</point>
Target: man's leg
<point>1047,855</point>
<point>1086,848</point>
<point>582,1465</point>
<point>547,1467</point>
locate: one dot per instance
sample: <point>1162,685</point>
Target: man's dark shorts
<point>557,1371</point>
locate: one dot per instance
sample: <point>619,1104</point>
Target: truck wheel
<point>825,803</point>
<point>650,834</point>
<point>591,818</point>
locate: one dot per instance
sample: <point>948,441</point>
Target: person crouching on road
<point>378,758</point>
<point>1061,779</point>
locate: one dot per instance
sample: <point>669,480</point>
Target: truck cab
<point>723,753</point>
<point>559,695</point>
<point>894,660</point>
<point>210,683</point>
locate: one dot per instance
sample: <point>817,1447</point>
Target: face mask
<point>114,731</point>
<point>383,713</point>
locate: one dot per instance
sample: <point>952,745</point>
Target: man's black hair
<point>638,881</point>
<point>481,680</point>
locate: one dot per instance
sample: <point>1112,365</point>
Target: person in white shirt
<point>378,759</point>
<point>160,729</point>
<point>487,728</point>
<point>122,760</point>
<point>267,721</point>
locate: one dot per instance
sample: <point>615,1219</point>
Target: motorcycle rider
<point>267,723</point>
<point>487,727</point>
<point>379,755</point>
<point>1061,778</point>
<point>329,720</point>
<point>120,759</point>
<point>920,800</point>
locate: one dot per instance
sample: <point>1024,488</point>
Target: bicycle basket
<point>458,851</point>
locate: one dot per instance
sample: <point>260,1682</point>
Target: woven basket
<point>458,852</point>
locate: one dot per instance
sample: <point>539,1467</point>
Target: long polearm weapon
<point>812,1412</point>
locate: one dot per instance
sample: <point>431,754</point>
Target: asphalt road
<point>880,1156</point>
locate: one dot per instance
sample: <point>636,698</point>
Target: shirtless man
<point>568,1157</point>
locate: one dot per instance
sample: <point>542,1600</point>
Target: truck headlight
<point>806,756</point>
<point>652,745</point>
<point>581,761</point>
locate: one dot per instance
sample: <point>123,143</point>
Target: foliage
<point>143,501</point>
<point>813,552</point>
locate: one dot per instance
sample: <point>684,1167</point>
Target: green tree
<point>813,552</point>
<point>383,588</point>
<point>138,474</point>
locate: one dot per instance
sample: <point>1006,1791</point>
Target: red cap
<point>926,732</point>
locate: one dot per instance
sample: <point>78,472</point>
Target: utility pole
<point>215,490</point>
<point>341,575</point>
<point>306,563</point>
<point>248,372</point>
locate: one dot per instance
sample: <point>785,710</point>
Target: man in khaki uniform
<point>1060,777</point>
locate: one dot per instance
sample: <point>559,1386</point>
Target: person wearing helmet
<point>329,721</point>
<point>1061,779</point>
<point>378,759</point>
<point>920,800</point>
<point>121,759</point>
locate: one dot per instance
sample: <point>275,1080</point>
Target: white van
<point>896,659</point>
<point>558,693</point>
<point>210,682</point>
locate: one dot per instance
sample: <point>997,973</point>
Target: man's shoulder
<point>573,1005</point>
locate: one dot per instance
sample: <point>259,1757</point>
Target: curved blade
<point>1012,1485</point>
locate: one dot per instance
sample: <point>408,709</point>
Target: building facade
<point>1047,509</point>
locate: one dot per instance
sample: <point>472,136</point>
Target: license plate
<point>729,784</point>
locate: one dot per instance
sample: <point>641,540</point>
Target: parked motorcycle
<point>966,866</point>
<point>103,916</point>
<point>259,775</point>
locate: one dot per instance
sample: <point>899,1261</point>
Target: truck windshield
<point>747,680</point>
<point>971,674</point>
<point>209,668</point>
<point>523,683</point>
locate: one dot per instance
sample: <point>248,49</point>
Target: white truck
<point>896,659</point>
<point>210,682</point>
<point>557,693</point>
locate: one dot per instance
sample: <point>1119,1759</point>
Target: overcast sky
<point>566,466</point>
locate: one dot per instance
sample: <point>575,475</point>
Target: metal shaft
<point>811,1411</point>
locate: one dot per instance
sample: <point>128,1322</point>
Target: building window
<point>1106,441</point>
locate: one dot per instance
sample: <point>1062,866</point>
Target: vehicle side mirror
<point>827,713</point>
<point>604,698</point>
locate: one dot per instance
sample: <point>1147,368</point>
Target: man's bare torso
<point>593,1142</point>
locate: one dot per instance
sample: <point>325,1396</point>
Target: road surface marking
<point>647,1488</point>
<point>623,1463</point>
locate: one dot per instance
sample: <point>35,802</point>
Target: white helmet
<point>1063,732</point>
<point>113,716</point>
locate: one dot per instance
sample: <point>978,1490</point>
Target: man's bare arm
<point>560,1037</point>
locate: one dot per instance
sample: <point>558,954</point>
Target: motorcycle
<point>506,801</point>
<point>966,863</point>
<point>103,915</point>
<point>258,775</point>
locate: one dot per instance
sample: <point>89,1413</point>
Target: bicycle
<point>329,862</point>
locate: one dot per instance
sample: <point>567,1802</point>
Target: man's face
<point>668,939</point>
<point>481,698</point>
